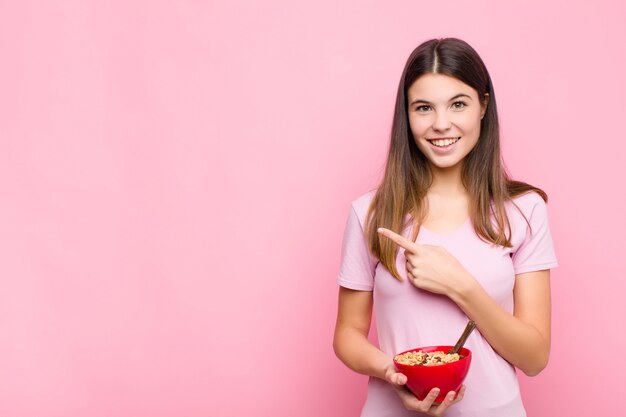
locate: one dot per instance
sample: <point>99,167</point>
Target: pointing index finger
<point>399,239</point>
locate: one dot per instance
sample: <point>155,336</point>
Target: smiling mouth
<point>443,142</point>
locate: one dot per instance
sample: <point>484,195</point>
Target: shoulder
<point>528,217</point>
<point>361,205</point>
<point>530,198</point>
<point>532,246</point>
<point>526,205</point>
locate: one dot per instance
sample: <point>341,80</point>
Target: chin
<point>444,164</point>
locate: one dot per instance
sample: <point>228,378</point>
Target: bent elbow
<point>338,346</point>
<point>532,371</point>
<point>535,368</point>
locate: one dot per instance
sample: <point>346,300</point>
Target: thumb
<point>398,378</point>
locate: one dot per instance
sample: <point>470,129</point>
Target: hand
<point>410,401</point>
<point>431,268</point>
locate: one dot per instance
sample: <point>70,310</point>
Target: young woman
<point>447,237</point>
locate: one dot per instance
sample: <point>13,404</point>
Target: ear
<point>483,105</point>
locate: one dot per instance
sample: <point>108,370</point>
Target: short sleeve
<point>536,250</point>
<point>357,267</point>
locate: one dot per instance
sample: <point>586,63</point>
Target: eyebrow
<point>419,100</point>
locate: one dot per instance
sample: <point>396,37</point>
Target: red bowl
<point>447,377</point>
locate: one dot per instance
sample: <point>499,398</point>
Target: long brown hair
<point>407,174</point>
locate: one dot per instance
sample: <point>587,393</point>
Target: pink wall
<point>175,178</point>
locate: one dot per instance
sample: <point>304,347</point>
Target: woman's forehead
<point>438,87</point>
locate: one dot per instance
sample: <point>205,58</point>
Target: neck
<point>447,181</point>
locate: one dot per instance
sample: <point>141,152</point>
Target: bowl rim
<point>434,348</point>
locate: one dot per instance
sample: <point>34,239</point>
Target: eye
<point>458,105</point>
<point>423,108</point>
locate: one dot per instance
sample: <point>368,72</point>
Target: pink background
<point>175,178</point>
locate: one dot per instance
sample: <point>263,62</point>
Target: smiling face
<point>444,116</point>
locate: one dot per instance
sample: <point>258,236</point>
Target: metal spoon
<point>468,329</point>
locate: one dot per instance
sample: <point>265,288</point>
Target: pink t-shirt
<point>407,317</point>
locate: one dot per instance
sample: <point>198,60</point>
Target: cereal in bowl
<point>419,358</point>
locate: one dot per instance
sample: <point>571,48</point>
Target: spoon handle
<point>468,329</point>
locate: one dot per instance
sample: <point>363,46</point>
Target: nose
<point>441,122</point>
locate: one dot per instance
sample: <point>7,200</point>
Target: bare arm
<point>522,338</point>
<point>355,350</point>
<point>351,345</point>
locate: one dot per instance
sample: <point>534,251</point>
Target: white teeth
<point>444,142</point>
